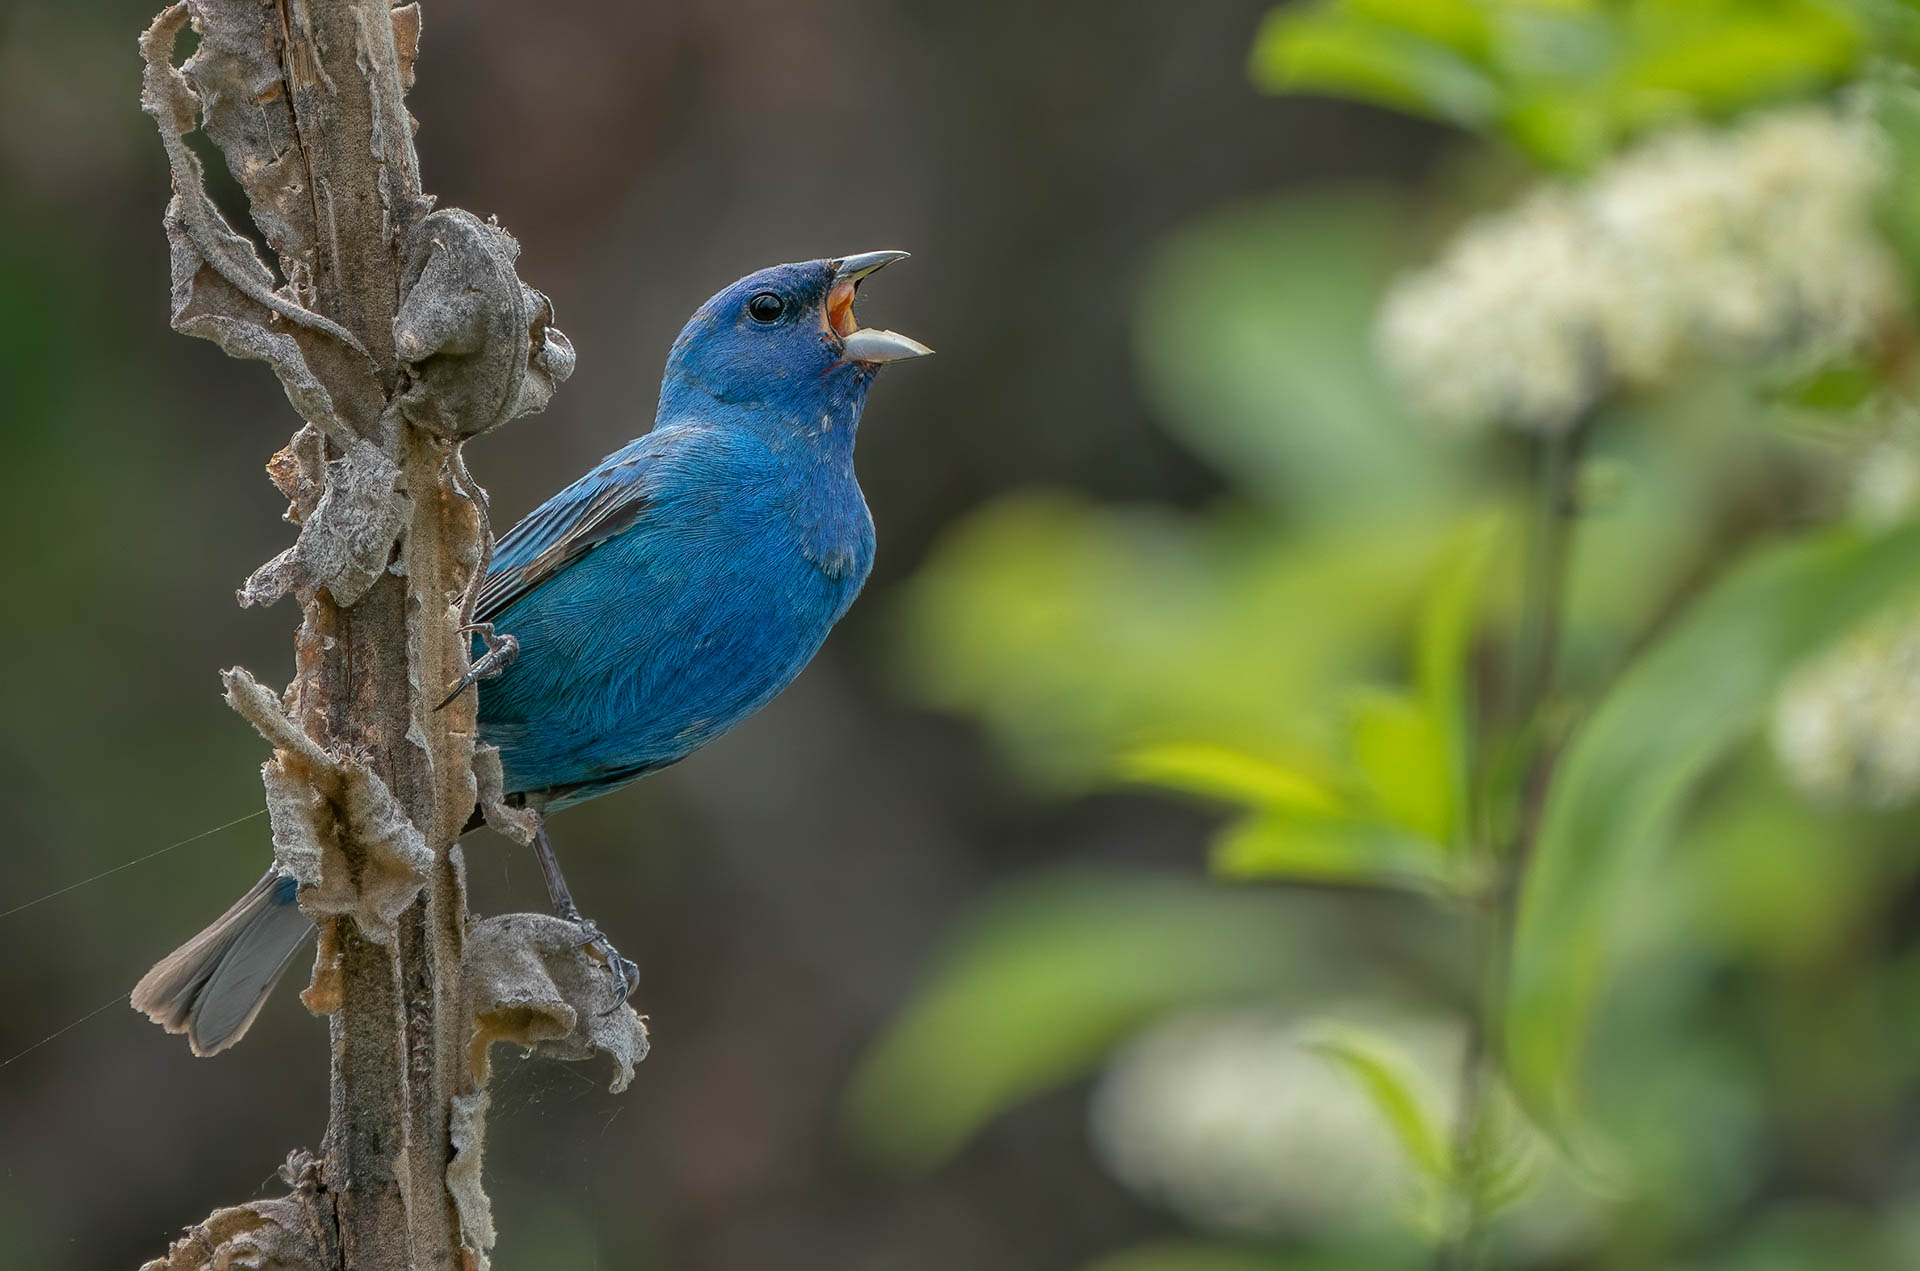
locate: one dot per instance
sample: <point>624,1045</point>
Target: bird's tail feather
<point>211,987</point>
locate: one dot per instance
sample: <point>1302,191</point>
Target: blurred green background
<point>1385,729</point>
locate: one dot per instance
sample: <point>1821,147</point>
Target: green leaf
<point>1185,1255</point>
<point>1038,985</point>
<point>1512,1155</point>
<point>1836,388</point>
<point>1567,82</point>
<point>1330,49</point>
<point>1386,1077</point>
<point>1628,771</point>
<point>1401,749</point>
<point>1460,25</point>
<point>1443,671</point>
<point>1197,1256</point>
<point>1222,772</point>
<point>1565,129</point>
<point>1709,58</point>
<point>1079,633</point>
<point>1277,847</point>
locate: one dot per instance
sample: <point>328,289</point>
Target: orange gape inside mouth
<point>840,308</point>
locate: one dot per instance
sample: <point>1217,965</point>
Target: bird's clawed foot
<point>626,975</point>
<point>501,651</point>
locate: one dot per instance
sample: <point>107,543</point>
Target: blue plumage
<point>663,597</point>
<point>726,543</point>
<point>688,620</point>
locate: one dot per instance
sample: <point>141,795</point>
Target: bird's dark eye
<point>766,307</point>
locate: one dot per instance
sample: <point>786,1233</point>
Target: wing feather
<point>592,510</point>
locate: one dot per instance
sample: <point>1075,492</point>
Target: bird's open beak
<point>864,344</point>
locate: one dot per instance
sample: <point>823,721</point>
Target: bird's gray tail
<point>211,987</point>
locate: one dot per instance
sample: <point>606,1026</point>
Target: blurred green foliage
<point>1564,80</point>
<point>1039,985</point>
<point>1194,1256</point>
<point>1253,336</point>
<point>1697,982</point>
<point>1668,721</point>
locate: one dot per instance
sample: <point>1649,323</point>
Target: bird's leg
<point>483,508</point>
<point>501,651</point>
<point>626,976</point>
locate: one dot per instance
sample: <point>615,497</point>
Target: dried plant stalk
<point>397,332</point>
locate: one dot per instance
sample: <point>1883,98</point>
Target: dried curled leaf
<point>317,801</point>
<point>298,470</point>
<point>529,983</point>
<point>467,1132</point>
<point>518,824</point>
<point>406,40</point>
<point>344,546</point>
<point>232,87</point>
<point>289,1233</point>
<point>479,345</point>
<point>326,988</point>
<point>213,266</point>
<point>238,81</point>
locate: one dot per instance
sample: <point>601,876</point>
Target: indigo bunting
<point>650,606</point>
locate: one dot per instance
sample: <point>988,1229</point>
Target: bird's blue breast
<point>744,553</point>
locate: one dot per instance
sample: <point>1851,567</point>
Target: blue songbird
<point>648,607</point>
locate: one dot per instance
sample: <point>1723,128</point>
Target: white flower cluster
<point>1847,726</point>
<point>1231,1118</point>
<point>1886,485</point>
<point>1752,241</point>
<point>1886,473</point>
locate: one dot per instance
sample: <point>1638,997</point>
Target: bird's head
<point>783,344</point>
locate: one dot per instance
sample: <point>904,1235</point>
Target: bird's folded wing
<point>558,532</point>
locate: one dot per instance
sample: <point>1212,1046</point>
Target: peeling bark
<point>397,332</point>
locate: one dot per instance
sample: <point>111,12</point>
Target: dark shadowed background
<point>782,889</point>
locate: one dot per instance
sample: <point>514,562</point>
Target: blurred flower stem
<point>1549,531</point>
<point>1505,827</point>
